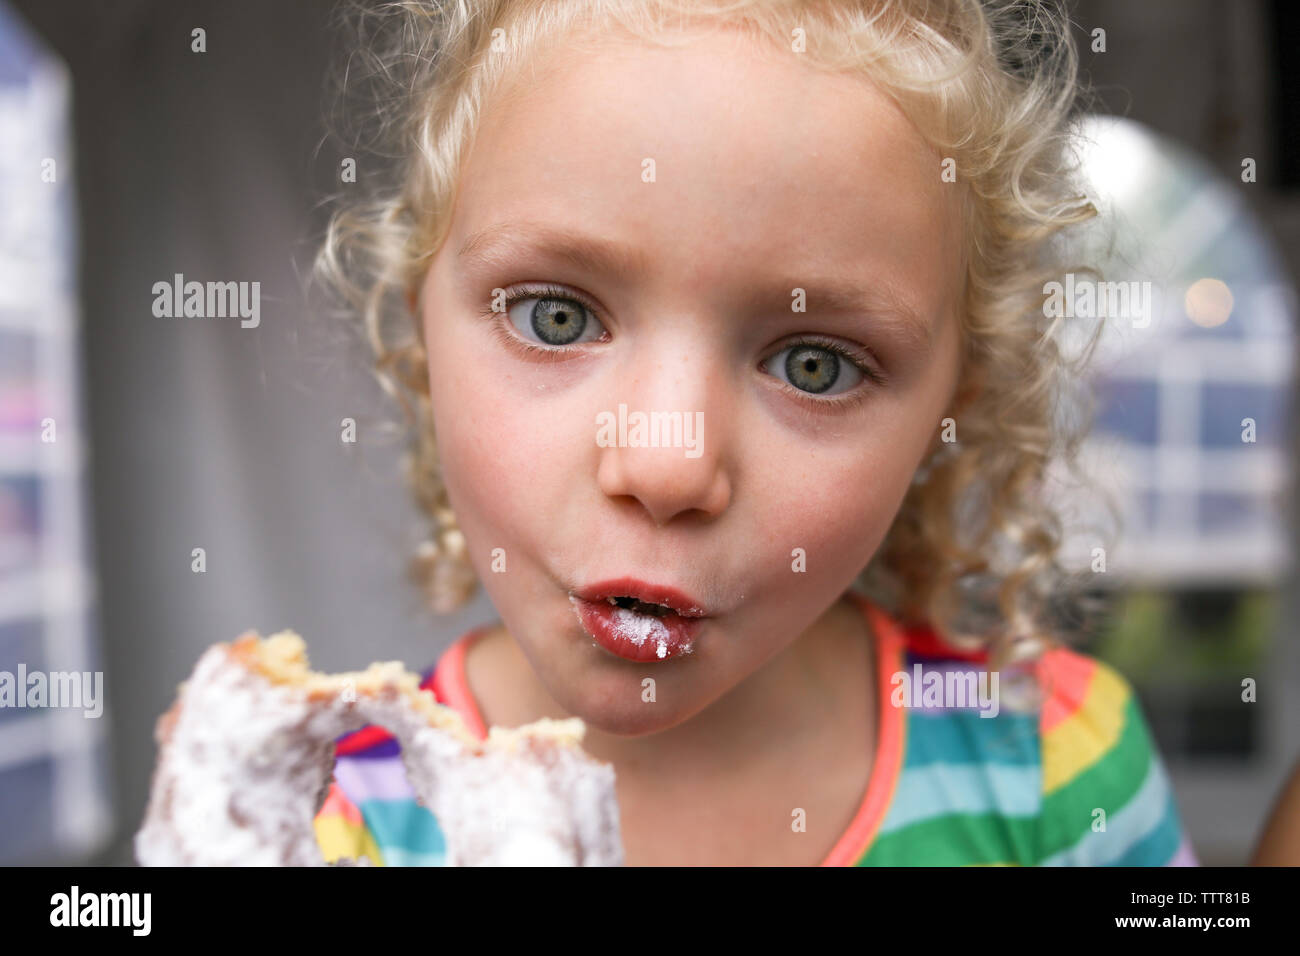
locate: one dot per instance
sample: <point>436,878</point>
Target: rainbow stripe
<point>1074,782</point>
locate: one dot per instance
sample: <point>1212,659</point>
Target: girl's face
<point>718,231</point>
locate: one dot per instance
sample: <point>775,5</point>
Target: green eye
<point>812,369</point>
<point>557,321</point>
<point>816,368</point>
<point>551,317</point>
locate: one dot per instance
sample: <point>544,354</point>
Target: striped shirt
<point>1066,775</point>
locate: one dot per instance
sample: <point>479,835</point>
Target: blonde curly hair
<point>991,85</point>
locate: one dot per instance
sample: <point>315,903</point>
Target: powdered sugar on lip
<point>636,636</point>
<point>638,628</point>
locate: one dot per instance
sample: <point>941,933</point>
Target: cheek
<point>839,500</point>
<point>837,509</point>
<point>497,450</point>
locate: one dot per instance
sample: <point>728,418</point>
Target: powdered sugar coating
<point>246,756</point>
<point>638,628</point>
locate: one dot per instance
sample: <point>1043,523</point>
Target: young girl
<point>720,329</point>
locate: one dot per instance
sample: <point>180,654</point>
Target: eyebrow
<point>878,301</point>
<point>495,244</point>
<point>492,244</point>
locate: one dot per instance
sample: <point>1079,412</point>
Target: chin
<point>615,707</point>
<point>624,723</point>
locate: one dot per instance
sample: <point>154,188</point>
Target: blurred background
<point>168,483</point>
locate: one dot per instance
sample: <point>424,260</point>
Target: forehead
<point>718,156</point>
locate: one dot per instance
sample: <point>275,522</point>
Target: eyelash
<point>836,403</point>
<point>540,353</point>
<point>562,353</point>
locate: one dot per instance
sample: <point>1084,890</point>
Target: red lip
<point>683,604</point>
<point>637,637</point>
<point>644,638</point>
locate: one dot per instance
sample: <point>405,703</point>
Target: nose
<point>662,444</point>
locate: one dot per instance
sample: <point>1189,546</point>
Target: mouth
<point>638,621</point>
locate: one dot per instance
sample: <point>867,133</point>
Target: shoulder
<point>1090,723</point>
<point>1106,797</point>
<point>1052,757</point>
